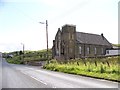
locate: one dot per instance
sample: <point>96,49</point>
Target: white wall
<point>113,52</point>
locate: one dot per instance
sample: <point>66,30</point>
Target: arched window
<point>95,50</point>
<point>80,50</point>
<point>88,50</point>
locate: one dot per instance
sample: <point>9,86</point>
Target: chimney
<point>58,29</point>
<point>53,42</point>
<point>102,36</point>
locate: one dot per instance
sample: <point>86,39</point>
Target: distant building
<point>69,44</point>
<point>113,51</point>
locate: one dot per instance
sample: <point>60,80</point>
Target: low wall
<point>36,63</point>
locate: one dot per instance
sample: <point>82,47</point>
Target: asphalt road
<point>23,76</point>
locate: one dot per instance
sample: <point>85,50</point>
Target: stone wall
<point>68,41</point>
<point>100,50</point>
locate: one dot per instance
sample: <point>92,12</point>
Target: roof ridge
<point>91,38</point>
<point>89,33</point>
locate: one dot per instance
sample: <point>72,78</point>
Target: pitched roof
<point>88,38</point>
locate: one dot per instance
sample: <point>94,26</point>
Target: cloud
<point>10,47</point>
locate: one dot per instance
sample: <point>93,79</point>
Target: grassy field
<point>106,68</point>
<point>29,56</point>
<point>117,45</point>
<point>37,55</point>
<point>15,60</point>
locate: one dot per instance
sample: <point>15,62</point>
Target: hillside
<point>117,45</point>
<point>20,58</point>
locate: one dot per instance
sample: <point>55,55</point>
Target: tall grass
<point>29,56</point>
<point>15,60</point>
<point>106,68</point>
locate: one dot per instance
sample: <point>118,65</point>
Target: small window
<point>63,51</point>
<point>80,50</point>
<point>69,36</point>
<point>95,50</point>
<point>57,52</point>
<point>88,50</point>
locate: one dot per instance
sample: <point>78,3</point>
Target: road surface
<point>23,76</point>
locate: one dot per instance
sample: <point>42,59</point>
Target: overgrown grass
<point>39,55</point>
<point>118,45</point>
<point>29,56</point>
<point>15,60</point>
<point>106,68</point>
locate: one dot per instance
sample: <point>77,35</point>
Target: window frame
<point>95,50</point>
<point>88,50</point>
<point>80,50</point>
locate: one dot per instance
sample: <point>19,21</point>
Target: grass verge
<point>106,68</point>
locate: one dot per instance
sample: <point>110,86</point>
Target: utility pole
<point>46,36</point>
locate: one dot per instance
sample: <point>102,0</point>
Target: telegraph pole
<point>46,36</point>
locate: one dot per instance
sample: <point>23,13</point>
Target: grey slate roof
<point>88,38</point>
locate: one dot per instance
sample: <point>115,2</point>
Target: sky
<point>19,21</point>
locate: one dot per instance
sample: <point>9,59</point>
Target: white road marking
<point>36,79</point>
<point>29,68</point>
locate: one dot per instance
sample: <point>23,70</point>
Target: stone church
<point>69,44</point>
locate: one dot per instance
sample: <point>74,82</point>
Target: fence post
<point>83,59</point>
<point>108,64</point>
<point>95,63</point>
